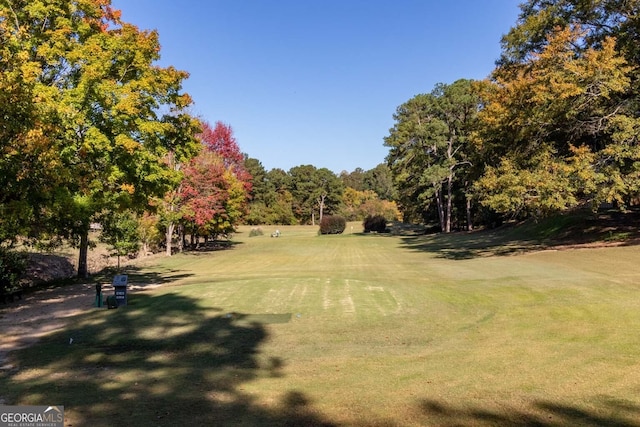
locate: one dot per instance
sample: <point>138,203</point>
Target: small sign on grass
<point>120,286</point>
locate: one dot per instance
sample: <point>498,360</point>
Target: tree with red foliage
<point>221,141</point>
<point>216,185</point>
<point>203,193</point>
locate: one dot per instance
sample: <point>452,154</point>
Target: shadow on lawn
<point>460,246</point>
<point>542,414</point>
<point>162,360</point>
<point>210,246</point>
<point>142,277</point>
<point>578,229</point>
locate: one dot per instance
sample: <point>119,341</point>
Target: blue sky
<point>317,81</point>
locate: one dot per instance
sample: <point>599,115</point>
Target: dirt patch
<point>40,313</point>
<point>44,311</point>
<point>43,268</point>
<point>47,310</point>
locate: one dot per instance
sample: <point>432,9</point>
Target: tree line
<point>305,193</point>
<point>554,127</point>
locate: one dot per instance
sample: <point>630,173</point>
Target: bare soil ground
<point>49,309</point>
<point>24,321</point>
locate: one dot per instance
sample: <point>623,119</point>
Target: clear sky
<point>317,81</point>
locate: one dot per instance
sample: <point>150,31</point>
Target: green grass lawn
<point>355,330</point>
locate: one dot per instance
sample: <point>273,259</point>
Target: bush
<point>256,231</point>
<point>376,223</point>
<point>13,265</point>
<point>332,224</point>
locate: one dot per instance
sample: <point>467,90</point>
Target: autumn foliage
<point>220,140</point>
<point>87,118</point>
<point>214,192</point>
<point>204,189</point>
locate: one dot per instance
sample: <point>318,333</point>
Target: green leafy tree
<point>121,231</point>
<point>354,179</point>
<point>31,171</point>
<point>314,190</point>
<point>272,201</point>
<point>281,210</point>
<point>430,146</point>
<point>558,130</point>
<point>380,180</point>
<point>599,20</point>
<point>259,184</point>
<point>13,265</point>
<point>278,180</point>
<point>110,115</point>
<point>262,193</point>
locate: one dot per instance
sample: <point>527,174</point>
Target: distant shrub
<point>13,265</point>
<point>256,232</point>
<point>332,224</point>
<point>375,223</point>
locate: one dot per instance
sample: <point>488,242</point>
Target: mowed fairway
<point>361,330</point>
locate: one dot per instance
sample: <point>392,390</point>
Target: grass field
<point>354,330</point>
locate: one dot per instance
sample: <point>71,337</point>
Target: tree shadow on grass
<point>162,360</point>
<point>211,246</point>
<point>541,414</point>
<point>575,229</point>
<point>141,277</point>
<point>459,246</point>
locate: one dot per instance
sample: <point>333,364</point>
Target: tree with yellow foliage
<point>554,126</point>
<point>89,116</point>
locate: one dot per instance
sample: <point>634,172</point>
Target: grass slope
<point>362,330</point>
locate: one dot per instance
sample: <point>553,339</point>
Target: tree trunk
<point>321,203</point>
<point>449,207</point>
<point>440,208</point>
<point>169,237</point>
<point>469,220</point>
<point>83,270</point>
<point>447,222</point>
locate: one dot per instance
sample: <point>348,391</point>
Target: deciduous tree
<point>430,146</point>
<point>121,231</point>
<point>380,180</point>
<point>220,140</point>
<point>313,189</point>
<point>109,114</point>
<point>204,193</point>
<point>555,124</point>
